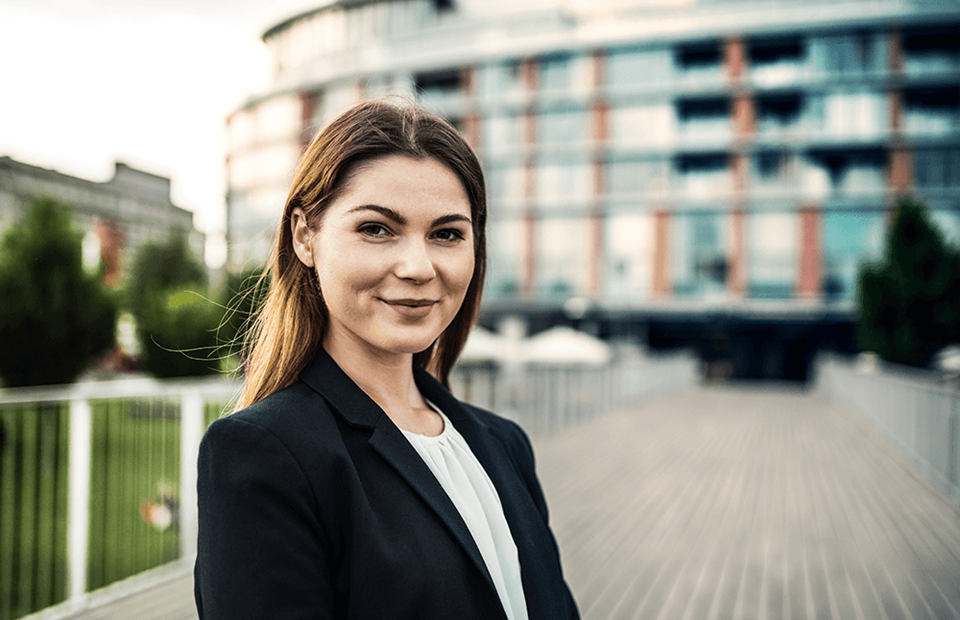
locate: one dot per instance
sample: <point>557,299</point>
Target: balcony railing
<point>98,480</point>
<point>917,411</point>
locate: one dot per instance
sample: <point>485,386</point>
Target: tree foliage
<point>910,301</point>
<point>162,265</point>
<point>176,322</point>
<point>55,318</point>
<point>178,332</point>
<point>243,294</point>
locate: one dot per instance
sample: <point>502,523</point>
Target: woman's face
<point>393,254</point>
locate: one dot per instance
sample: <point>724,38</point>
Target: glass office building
<point>665,163</point>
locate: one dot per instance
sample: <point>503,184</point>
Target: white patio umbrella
<point>485,346</point>
<point>563,345</point>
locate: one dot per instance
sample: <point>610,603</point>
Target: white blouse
<point>463,478</point>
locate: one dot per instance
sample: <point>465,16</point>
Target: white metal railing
<point>120,436</point>
<point>114,440</point>
<point>915,410</point>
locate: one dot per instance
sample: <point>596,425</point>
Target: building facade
<point>704,172</point>
<point>117,216</point>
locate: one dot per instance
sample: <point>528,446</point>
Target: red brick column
<point>662,286</point>
<point>737,272</point>
<point>528,255</point>
<point>901,170</point>
<point>808,282</point>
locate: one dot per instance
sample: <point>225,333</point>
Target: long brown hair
<point>289,328</point>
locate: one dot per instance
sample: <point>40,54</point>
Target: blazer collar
<point>357,408</point>
<point>326,377</point>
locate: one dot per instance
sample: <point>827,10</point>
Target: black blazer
<point>314,505</point>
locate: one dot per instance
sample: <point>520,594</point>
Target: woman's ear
<point>302,236</point>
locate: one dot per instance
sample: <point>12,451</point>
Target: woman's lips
<point>411,308</point>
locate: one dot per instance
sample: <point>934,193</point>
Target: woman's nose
<point>415,263</point>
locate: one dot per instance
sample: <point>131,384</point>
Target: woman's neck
<point>388,381</point>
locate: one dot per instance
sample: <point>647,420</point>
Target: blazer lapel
<point>353,404</point>
<point>493,456</point>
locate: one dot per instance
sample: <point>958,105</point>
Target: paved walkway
<point>726,503</point>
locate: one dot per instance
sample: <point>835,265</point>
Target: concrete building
<point>680,172</point>
<point>118,216</point>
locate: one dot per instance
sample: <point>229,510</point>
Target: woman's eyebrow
<point>453,217</point>
<point>389,213</point>
<point>384,211</point>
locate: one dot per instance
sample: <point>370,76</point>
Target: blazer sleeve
<point>520,450</point>
<point>261,551</point>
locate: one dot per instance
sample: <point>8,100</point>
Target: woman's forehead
<point>412,187</point>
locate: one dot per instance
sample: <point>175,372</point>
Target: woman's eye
<point>448,234</point>
<point>374,230</point>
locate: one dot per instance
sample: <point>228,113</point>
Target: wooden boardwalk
<point>726,503</point>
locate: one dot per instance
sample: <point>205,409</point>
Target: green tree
<point>910,301</point>
<point>243,294</point>
<point>162,265</point>
<point>178,333</point>
<point>176,322</point>
<point>55,317</point>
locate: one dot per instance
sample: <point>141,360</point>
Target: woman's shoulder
<point>288,414</point>
<point>509,433</point>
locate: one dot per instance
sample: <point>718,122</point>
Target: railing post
<point>78,510</point>
<point>191,431</point>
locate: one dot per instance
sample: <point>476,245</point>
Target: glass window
<point>700,64</point>
<point>779,116</point>
<point>699,241</point>
<point>561,125</point>
<point>931,50</point>
<point>704,177</point>
<point>501,131</point>
<point>648,177</point>
<point>437,90</point>
<point>561,259</point>
<point>772,253</point>
<point>851,173</point>
<point>649,125</point>
<point>849,54</point>
<point>561,180</point>
<point>773,172</point>
<point>504,268</point>
<point>638,66</point>
<point>949,224</point>
<point>937,169</point>
<point>848,115</point>
<point>628,256</point>
<point>848,239</point>
<point>500,79</point>
<point>700,119</point>
<point>931,111</point>
<point>504,188</point>
<point>556,72</point>
<point>278,119</point>
<point>778,61</point>
<point>241,131</point>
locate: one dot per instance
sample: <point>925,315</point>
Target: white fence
<point>98,480</point>
<point>915,410</point>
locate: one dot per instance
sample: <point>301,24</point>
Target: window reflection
<point>628,258</point>
<point>699,240</point>
<point>773,240</point>
<point>849,238</point>
<point>504,239</point>
<point>562,180</point>
<point>561,259</point>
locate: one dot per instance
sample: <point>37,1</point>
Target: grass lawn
<point>135,459</point>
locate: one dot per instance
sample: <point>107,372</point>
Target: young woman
<point>350,483</point>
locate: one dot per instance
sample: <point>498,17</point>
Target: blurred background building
<point>679,173</point>
<point>117,216</point>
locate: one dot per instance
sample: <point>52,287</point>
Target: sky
<point>85,83</point>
